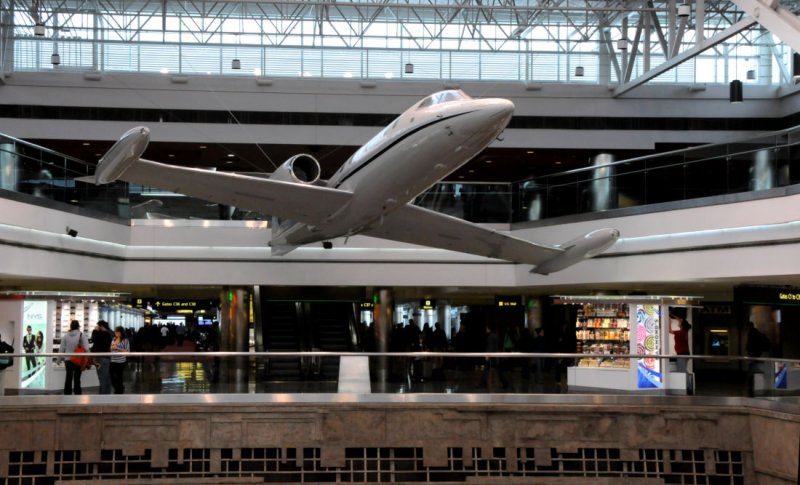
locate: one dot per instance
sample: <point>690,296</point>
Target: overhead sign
<point>510,301</point>
<point>767,295</point>
<point>427,304</point>
<point>367,305</point>
<point>167,305</point>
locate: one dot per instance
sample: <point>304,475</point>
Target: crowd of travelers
<point>470,337</point>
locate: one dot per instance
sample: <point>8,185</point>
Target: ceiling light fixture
<point>735,92</point>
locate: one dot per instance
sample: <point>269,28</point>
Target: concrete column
<point>764,72</point>
<point>531,200</point>
<point>762,172</point>
<point>604,61</point>
<point>233,336</point>
<point>383,328</point>
<point>9,175</point>
<point>603,190</point>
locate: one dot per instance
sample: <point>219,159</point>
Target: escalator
<point>305,326</point>
<point>282,333</point>
<point>331,324</point>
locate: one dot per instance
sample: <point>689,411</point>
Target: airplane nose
<point>501,108</point>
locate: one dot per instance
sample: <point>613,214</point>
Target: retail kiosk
<point>619,325</point>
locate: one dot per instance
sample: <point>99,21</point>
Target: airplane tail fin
<point>278,227</point>
<point>127,150</point>
<point>281,249</point>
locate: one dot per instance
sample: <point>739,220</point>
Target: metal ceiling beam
<point>775,18</point>
<point>685,56</point>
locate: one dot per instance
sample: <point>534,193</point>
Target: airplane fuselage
<point>424,144</point>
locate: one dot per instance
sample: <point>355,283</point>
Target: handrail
<point>667,154</point>
<point>45,149</point>
<point>318,353</point>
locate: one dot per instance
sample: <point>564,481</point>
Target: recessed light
<point>461,176</point>
<point>488,161</point>
<point>228,162</point>
<point>471,171</point>
<point>231,155</point>
<point>171,155</point>
<point>203,147</point>
<point>530,152</point>
<point>74,201</point>
<point>558,163</point>
<point>98,154</point>
<point>86,143</point>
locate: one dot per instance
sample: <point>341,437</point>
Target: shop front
<point>608,327</point>
<point>34,323</point>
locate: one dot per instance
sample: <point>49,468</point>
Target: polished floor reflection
<point>178,374</point>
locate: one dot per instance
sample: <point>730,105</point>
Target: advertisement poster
<point>648,343</point>
<point>34,329</point>
<point>781,375</point>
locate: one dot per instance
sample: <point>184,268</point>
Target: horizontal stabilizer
<point>89,179</point>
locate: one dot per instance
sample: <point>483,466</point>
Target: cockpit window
<point>443,97</point>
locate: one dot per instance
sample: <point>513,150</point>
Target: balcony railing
<point>753,165</point>
<point>416,372</point>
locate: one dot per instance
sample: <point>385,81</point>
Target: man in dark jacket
<point>101,342</point>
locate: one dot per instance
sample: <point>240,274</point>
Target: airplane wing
<point>298,202</point>
<point>415,225</point>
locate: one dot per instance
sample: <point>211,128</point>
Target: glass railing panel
<point>475,202</point>
<point>44,174</point>
<point>759,163</point>
<point>191,372</point>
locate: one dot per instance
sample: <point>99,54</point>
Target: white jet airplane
<point>371,193</point>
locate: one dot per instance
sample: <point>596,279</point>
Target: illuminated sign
<point>427,304</point>
<point>767,295</point>
<point>174,305</point>
<point>367,305</point>
<point>508,301</point>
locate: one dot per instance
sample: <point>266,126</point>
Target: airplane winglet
<point>127,150</point>
<point>576,250</point>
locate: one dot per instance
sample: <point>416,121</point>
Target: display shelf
<point>603,329</point>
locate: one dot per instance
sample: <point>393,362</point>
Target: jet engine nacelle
<point>303,169</point>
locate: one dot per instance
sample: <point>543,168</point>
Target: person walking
<point>119,347</point>
<point>71,340</point>
<point>101,342</point>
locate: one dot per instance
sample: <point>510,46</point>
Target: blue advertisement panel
<point>34,329</point>
<point>648,343</point>
<point>781,375</point>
